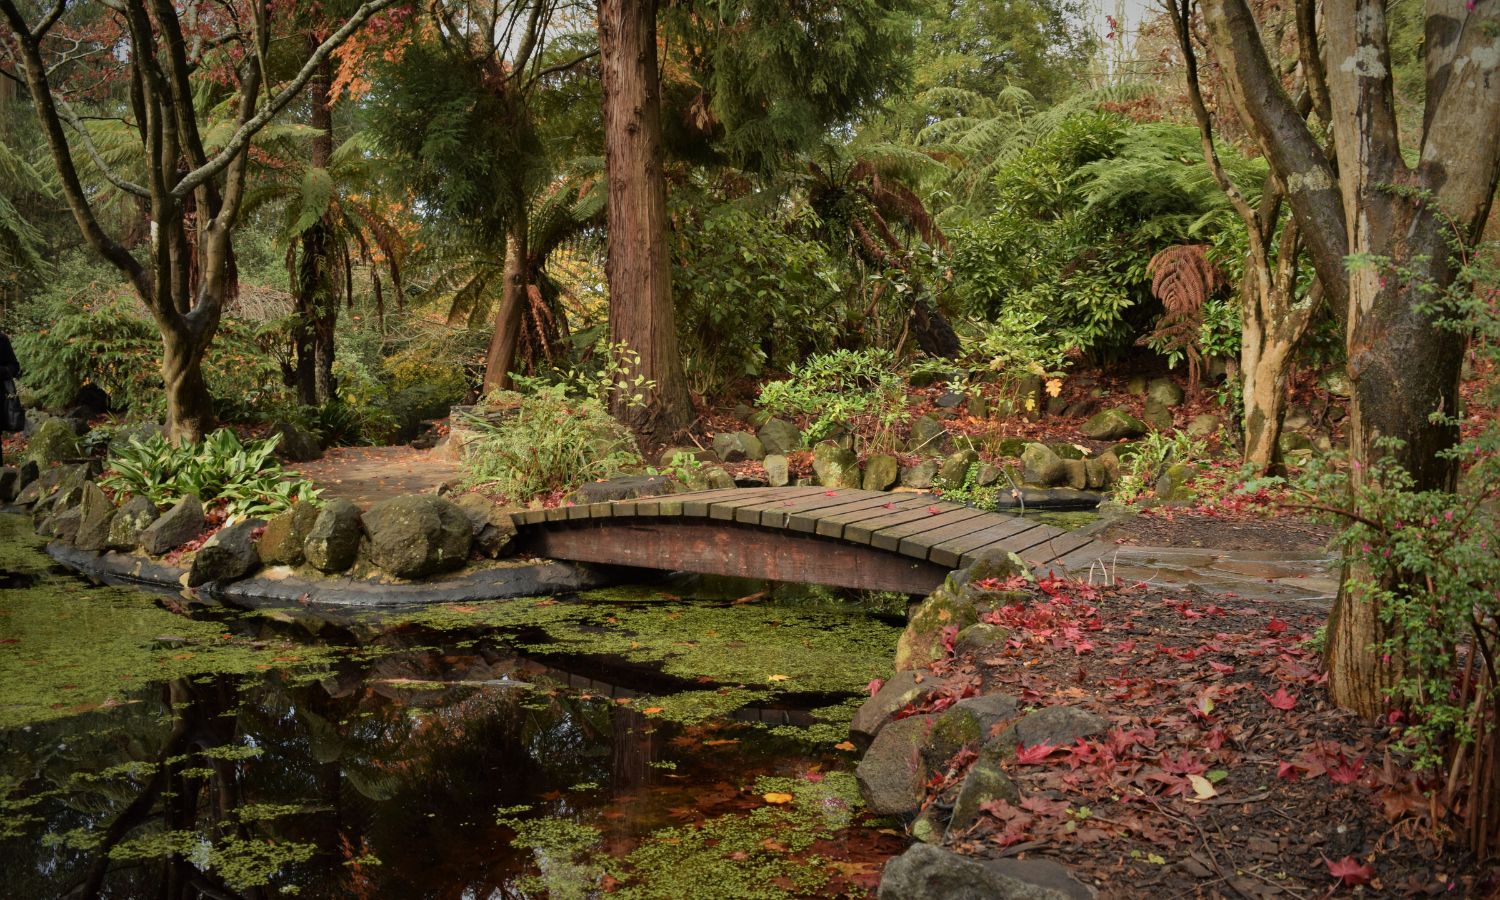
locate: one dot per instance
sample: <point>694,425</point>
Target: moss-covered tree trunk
<point>501,357</point>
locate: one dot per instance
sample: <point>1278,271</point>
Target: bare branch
<point>94,155</point>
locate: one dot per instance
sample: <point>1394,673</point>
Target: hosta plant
<point>243,477</point>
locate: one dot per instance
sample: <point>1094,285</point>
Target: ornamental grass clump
<point>526,445</point>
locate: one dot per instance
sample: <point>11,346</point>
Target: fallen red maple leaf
<point>1276,626</point>
<point>1349,871</point>
<point>1347,771</point>
<point>1281,699</point>
<point>1286,771</point>
<point>1035,754</point>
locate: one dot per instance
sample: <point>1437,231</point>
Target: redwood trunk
<point>639,267</point>
<point>502,353</point>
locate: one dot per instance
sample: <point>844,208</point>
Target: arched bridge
<point>846,538</point>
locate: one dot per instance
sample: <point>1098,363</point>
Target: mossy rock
<point>1011,446</point>
<point>927,436</point>
<point>955,469</point>
<point>96,513</point>
<point>779,436</point>
<point>227,556</point>
<point>778,470</point>
<point>173,528</point>
<point>332,544</point>
<point>418,535</point>
<point>1042,465</point>
<point>128,523</point>
<point>835,466</point>
<point>1174,481</point>
<point>286,533</point>
<point>981,637</point>
<point>53,442</point>
<point>1066,450</point>
<point>921,644</point>
<point>881,471</point>
<point>1113,425</point>
<point>920,476</point>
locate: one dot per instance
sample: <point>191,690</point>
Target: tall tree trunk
<point>639,267</point>
<point>502,352</point>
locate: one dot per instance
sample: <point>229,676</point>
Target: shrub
<point>861,390</point>
<point>528,444</point>
<point>243,477</point>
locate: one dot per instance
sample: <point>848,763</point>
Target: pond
<point>659,741</point>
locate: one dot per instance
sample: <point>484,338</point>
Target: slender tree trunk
<point>1264,365</point>
<point>639,267</point>
<point>502,352</point>
<point>318,299</point>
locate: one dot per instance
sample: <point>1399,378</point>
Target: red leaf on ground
<point>875,685</point>
<point>1286,771</point>
<point>1281,699</point>
<point>1035,754</point>
<point>1347,771</point>
<point>1349,871</point>
<point>1276,626</point>
<point>1221,668</point>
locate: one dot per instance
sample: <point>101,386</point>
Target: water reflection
<point>380,777</point>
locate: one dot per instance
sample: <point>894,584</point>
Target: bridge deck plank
<point>724,509</point>
<point>919,545</point>
<point>833,522</point>
<point>864,532</point>
<point>1055,548</point>
<point>837,522</point>
<point>890,538</point>
<point>805,519</point>
<point>773,512</point>
<point>695,505</point>
<point>950,552</point>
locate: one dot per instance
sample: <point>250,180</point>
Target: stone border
<point>535,579</point>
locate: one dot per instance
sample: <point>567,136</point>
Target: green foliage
<point>736,266</point>
<point>242,477</point>
<point>1149,457</point>
<point>861,390</point>
<point>526,445</point>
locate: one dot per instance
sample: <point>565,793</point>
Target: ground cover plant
<point>241,477</point>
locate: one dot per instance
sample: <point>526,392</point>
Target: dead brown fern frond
<point>1183,279</point>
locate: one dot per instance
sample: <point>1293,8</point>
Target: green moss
<point>692,707</point>
<point>67,649</point>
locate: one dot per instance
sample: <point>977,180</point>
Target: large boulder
<point>492,526</point>
<point>1042,465</point>
<point>1113,425</point>
<point>881,471</point>
<point>139,432</point>
<point>835,466</point>
<point>738,446</point>
<point>129,521</point>
<point>332,544</point>
<point>296,445</point>
<point>927,436</point>
<point>227,556</point>
<point>96,514</point>
<point>955,469</point>
<point>53,442</point>
<point>285,535</point>
<point>1158,416</point>
<point>780,436</point>
<point>899,691</point>
<point>175,527</point>
<point>418,535</point>
<point>1202,426</point>
<point>892,775</point>
<point>921,644</point>
<point>1165,391</point>
<point>926,872</point>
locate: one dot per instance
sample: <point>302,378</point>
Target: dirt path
<point>367,475</point>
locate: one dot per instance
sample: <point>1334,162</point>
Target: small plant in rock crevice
<point>1149,457</point>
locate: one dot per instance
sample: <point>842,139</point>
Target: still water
<point>644,742</point>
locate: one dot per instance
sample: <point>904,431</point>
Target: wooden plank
<point>724,509</point>
<point>578,511</point>
<point>1019,543</point>
<point>752,515</point>
<point>890,538</point>
<point>1055,548</point>
<point>917,545</point>
<point>807,521</point>
<point>697,505</point>
<point>557,514</point>
<point>727,548</point>
<point>1000,526</point>
<point>863,531</point>
<point>830,520</point>
<point>949,553</point>
<point>1085,557</point>
<point>803,516</point>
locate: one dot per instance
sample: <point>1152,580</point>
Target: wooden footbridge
<point>847,538</point>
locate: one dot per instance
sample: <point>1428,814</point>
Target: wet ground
<point>637,743</point>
